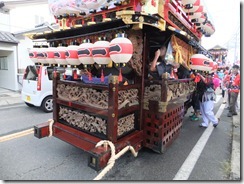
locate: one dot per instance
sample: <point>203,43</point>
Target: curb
<point>235,154</point>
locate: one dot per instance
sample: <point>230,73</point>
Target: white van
<point>37,87</point>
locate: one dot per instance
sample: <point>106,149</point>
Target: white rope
<point>50,122</point>
<point>16,135</point>
<point>113,157</point>
<point>26,132</point>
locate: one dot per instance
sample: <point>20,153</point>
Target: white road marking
<point>218,97</point>
<point>188,165</point>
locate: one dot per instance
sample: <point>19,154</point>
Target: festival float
<point>219,55</point>
<point>129,110</point>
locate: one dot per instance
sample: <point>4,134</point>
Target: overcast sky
<point>225,16</point>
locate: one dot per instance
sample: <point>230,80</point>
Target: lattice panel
<point>160,129</point>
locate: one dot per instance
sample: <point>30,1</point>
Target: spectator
<point>233,89</point>
<point>225,83</point>
<point>221,74</point>
<point>216,82</point>
<point>195,99</point>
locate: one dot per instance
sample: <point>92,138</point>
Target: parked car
<point>37,87</point>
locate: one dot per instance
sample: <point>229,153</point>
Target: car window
<point>31,73</point>
<point>50,73</point>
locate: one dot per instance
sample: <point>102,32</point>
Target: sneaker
<point>234,113</point>
<point>216,124</point>
<point>229,114</point>
<point>192,116</point>
<point>195,118</point>
<point>201,125</point>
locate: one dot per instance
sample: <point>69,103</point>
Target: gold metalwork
<point>91,23</point>
<point>141,19</point>
<point>145,105</point>
<point>162,106</point>
<point>113,79</point>
<point>126,16</point>
<point>107,19</point>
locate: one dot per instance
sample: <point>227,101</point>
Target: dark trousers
<point>223,93</point>
<point>196,102</point>
<point>232,102</point>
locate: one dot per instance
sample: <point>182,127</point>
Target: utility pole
<point>235,55</point>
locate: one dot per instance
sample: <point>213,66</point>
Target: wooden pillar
<point>112,124</point>
<point>164,89</point>
<point>145,64</point>
<point>56,77</point>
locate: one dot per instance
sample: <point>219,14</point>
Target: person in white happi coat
<point>207,97</point>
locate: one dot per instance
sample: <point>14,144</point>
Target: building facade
<point>14,19</point>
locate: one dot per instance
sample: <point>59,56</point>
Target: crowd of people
<point>228,80</point>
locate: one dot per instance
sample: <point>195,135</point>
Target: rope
<point>177,48</point>
<point>16,135</point>
<point>50,121</point>
<point>113,157</point>
<point>26,132</point>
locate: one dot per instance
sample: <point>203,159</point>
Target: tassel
<point>89,76</point>
<point>197,79</point>
<point>75,74</point>
<point>120,76</point>
<point>102,76</point>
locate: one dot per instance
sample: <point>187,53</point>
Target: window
<point>3,63</point>
<point>31,73</point>
<point>39,19</point>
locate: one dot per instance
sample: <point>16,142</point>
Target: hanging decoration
<point>201,62</point>
<point>100,53</point>
<point>71,55</point>
<point>85,55</point>
<point>33,54</point>
<point>50,56</point>
<point>42,55</point>
<point>59,55</point>
<point>120,51</point>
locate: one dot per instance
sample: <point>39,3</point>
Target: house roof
<point>8,37</point>
<point>218,48</point>
<point>11,4</point>
<point>37,30</point>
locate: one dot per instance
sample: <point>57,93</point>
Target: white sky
<point>225,16</point>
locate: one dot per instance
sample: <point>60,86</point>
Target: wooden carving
<point>83,121</point>
<point>128,98</point>
<point>83,95</point>
<point>94,124</point>
<point>136,60</point>
<point>152,92</point>
<point>126,124</point>
<point>95,98</point>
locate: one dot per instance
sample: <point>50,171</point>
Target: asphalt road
<point>29,158</point>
